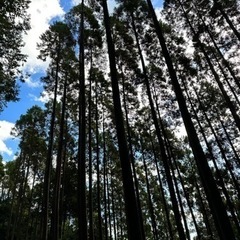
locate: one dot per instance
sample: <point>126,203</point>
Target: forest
<point>140,137</point>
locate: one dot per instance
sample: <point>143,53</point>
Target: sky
<point>42,13</point>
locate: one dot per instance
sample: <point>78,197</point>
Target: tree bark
<point>133,223</point>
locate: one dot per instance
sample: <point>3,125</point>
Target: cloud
<point>75,2</point>
<point>5,130</point>
<point>44,97</point>
<point>32,84</point>
<point>158,11</point>
<point>41,13</point>
<point>111,4</point>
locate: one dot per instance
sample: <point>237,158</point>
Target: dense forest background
<point>140,138</point>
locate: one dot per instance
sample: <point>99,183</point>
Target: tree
<point>14,21</point>
<point>134,229</point>
<point>217,207</point>
<point>55,43</point>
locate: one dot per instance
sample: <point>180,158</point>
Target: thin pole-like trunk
<point>21,195</point>
<point>204,212</point>
<point>108,203</point>
<point>63,215</point>
<point>56,200</point>
<point>129,138</point>
<point>113,206</point>
<point>82,214</point>
<point>48,166</point>
<point>150,203</point>
<point>228,164</point>
<point>105,189</point>
<point>167,142</point>
<point>30,205</point>
<point>166,208</point>
<point>98,167</point>
<point>90,201</point>
<point>133,223</point>
<point>229,140</point>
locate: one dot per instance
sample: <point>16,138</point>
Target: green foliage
<point>22,180</point>
<point>14,21</point>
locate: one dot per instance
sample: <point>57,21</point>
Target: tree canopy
<point>140,136</point>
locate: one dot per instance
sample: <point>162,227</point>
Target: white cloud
<point>5,130</point>
<point>111,4</point>
<point>158,11</point>
<point>41,13</point>
<point>44,98</point>
<point>75,2</point>
<point>32,84</point>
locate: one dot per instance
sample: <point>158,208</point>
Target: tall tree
<point>54,43</point>
<point>14,22</point>
<point>134,229</point>
<point>221,219</point>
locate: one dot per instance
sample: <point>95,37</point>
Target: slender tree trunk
<point>21,195</point>
<point>90,151</point>
<point>150,203</point>
<point>108,203</point>
<point>48,166</point>
<point>166,208</point>
<point>98,168</point>
<point>227,80</point>
<point>204,213</point>
<point>230,141</point>
<point>133,223</point>
<point>228,164</point>
<point>56,201</point>
<point>29,207</point>
<point>63,215</point>
<point>129,138</point>
<point>105,190</point>
<point>167,143</point>
<point>113,207</point>
<point>82,215</point>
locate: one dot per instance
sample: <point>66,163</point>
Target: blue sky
<point>42,12</point>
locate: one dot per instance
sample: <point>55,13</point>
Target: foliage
<point>171,193</point>
<point>14,21</point>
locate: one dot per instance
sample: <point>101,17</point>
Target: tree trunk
<point>131,156</point>
<point>133,223</point>
<point>98,169</point>
<point>90,151</point>
<point>82,215</point>
<point>48,166</point>
<point>56,200</point>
